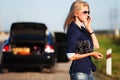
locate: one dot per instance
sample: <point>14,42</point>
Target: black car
<point>29,45</point>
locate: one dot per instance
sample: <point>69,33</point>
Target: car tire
<point>49,70</point>
<point>4,70</point>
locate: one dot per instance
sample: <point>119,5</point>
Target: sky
<point>54,12</point>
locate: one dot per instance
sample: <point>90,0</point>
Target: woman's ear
<point>76,13</point>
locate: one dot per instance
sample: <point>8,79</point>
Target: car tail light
<point>49,48</point>
<point>6,48</point>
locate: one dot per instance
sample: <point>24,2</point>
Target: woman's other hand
<point>97,55</point>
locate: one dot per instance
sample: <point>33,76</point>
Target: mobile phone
<point>88,17</point>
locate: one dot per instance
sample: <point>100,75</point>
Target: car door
<point>60,46</point>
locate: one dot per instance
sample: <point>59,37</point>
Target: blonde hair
<point>77,5</point>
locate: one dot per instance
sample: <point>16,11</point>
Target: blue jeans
<point>81,76</point>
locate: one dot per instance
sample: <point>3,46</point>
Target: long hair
<point>77,5</point>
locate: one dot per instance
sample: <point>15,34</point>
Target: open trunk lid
<point>28,32</point>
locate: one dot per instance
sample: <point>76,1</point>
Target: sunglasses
<point>86,12</point>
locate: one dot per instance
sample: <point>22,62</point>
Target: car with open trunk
<point>29,45</point>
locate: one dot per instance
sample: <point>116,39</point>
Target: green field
<point>107,42</point>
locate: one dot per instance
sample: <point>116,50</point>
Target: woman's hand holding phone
<point>87,24</point>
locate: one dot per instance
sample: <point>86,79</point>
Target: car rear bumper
<point>44,60</point>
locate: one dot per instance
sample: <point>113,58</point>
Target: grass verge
<point>107,42</point>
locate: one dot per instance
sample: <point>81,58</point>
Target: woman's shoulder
<point>74,30</point>
<point>73,27</point>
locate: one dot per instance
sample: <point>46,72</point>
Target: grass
<point>107,42</point>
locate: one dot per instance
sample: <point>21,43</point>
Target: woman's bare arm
<point>96,55</point>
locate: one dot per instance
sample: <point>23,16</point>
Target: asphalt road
<point>61,73</point>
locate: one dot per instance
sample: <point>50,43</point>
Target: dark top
<point>74,34</point>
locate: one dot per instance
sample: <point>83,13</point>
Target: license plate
<point>21,51</point>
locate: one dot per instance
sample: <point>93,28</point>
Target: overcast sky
<point>54,12</point>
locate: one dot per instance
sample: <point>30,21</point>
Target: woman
<point>78,26</point>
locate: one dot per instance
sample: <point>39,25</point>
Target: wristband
<point>92,33</point>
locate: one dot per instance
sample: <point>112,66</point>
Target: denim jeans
<point>81,76</point>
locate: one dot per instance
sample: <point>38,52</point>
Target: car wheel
<point>4,70</point>
<point>52,70</point>
<point>49,70</point>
